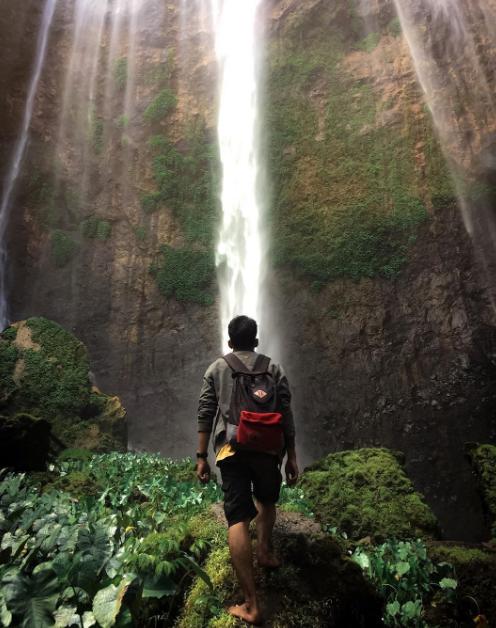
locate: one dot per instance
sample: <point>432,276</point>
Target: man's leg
<point>241,556</point>
<point>240,510</point>
<point>267,479</point>
<point>265,524</point>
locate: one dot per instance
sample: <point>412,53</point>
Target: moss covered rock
<point>316,586</point>
<point>366,492</point>
<point>483,459</point>
<point>475,570</point>
<point>45,374</point>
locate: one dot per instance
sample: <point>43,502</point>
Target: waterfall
<point>18,154</point>
<point>444,37</point>
<point>239,254</point>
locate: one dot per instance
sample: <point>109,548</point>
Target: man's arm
<point>207,409</point>
<point>284,392</point>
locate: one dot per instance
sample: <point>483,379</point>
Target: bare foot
<point>246,613</point>
<point>267,559</point>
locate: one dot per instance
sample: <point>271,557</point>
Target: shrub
<point>160,106</point>
<point>120,72</point>
<point>63,248</point>
<point>185,274</point>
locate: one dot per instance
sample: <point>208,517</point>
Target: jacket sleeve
<point>285,401</point>
<point>207,406</point>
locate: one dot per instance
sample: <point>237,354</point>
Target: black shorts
<point>238,473</point>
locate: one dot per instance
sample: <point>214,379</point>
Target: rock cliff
<point>380,303</point>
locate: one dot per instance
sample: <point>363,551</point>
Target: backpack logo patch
<point>260,394</point>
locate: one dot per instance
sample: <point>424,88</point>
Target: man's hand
<point>203,471</point>
<point>292,471</point>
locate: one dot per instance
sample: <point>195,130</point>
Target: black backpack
<point>255,418</point>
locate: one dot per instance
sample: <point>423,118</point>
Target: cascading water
<point>19,151</point>
<point>240,247</point>
<point>455,70</point>
<point>453,44</point>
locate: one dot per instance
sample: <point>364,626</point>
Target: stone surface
<point>406,363</point>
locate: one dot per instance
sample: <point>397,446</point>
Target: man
<point>240,469</point>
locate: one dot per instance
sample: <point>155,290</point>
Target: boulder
<point>47,396</point>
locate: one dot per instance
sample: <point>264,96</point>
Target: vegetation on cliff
<point>348,191</point>
<point>366,492</point>
<point>483,459</point>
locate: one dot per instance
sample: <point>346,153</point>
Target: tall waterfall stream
<point>19,151</point>
<point>240,245</point>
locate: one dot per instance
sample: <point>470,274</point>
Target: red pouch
<point>260,431</point>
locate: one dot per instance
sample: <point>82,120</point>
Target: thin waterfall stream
<point>19,151</point>
<point>239,254</point>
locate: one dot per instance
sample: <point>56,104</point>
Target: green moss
<point>347,197</point>
<point>366,492</point>
<point>316,587</point>
<point>483,459</point>
<point>52,382</point>
<point>370,42</point>
<point>394,27</point>
<point>152,202</point>
<point>160,106</point>
<point>97,131</point>
<point>120,72</point>
<point>187,183</point>
<point>63,248</point>
<point>95,228</point>
<point>140,233</point>
<point>9,334</point>
<point>185,274</point>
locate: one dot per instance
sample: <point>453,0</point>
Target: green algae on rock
<point>317,586</point>
<point>483,460</point>
<point>45,374</point>
<point>366,492</point>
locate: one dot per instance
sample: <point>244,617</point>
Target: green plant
<point>63,248</point>
<point>347,199</point>
<point>370,42</point>
<point>97,130</point>
<point>185,274</point>
<point>406,577</point>
<point>160,106</point>
<point>123,121</point>
<point>94,227</point>
<point>111,556</point>
<point>120,72</point>
<point>187,183</point>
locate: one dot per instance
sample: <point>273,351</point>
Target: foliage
<point>366,492</point>
<point>405,576</point>
<point>370,42</point>
<point>94,227</point>
<point>96,133</point>
<point>347,199</point>
<point>160,106</point>
<point>187,183</point>
<point>120,72</point>
<point>483,459</point>
<point>100,557</point>
<point>185,274</point>
<point>63,248</point>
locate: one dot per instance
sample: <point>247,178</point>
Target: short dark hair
<point>242,332</point>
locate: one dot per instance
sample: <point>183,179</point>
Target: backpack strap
<point>236,365</point>
<point>261,364</point>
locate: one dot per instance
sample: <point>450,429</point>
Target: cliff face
<point>381,308</point>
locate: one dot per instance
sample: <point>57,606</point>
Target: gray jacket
<point>215,398</point>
